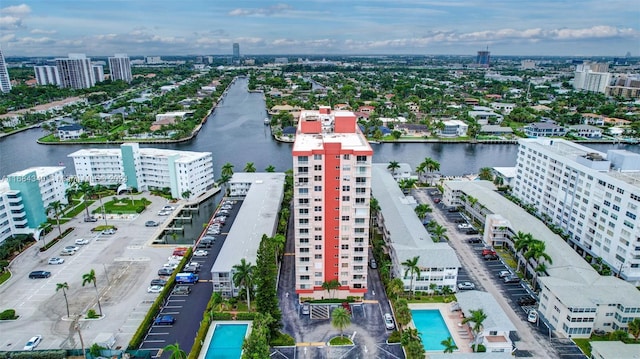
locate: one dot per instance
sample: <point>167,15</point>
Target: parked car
<point>466,286</point>
<point>67,252</point>
<point>56,260</point>
<point>39,274</point>
<point>490,257</point>
<point>504,273</point>
<point>151,224</point>
<point>165,271</point>
<point>472,231</point>
<point>164,213</point>
<point>388,322</point>
<point>168,208</point>
<point>154,289</point>
<point>90,219</point>
<point>158,281</point>
<point>474,240</point>
<point>512,279</point>
<point>108,232</point>
<point>181,290</point>
<point>373,264</point>
<point>81,241</point>
<point>33,342</point>
<point>460,220</point>
<point>526,300</point>
<point>306,308</point>
<point>71,248</point>
<point>487,251</point>
<point>180,251</point>
<point>165,320</point>
<point>453,209</point>
<point>437,200</point>
<point>533,316</point>
<point>191,269</point>
<point>464,226</point>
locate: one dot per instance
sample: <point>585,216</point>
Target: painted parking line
<point>157,334</point>
<point>173,313</point>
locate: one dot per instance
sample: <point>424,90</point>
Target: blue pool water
<point>226,342</point>
<point>432,328</point>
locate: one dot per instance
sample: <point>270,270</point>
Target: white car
<point>170,265</point>
<point>154,289</point>
<point>81,241</point>
<point>56,260</point>
<point>168,208</point>
<point>466,286</point>
<point>33,343</point>
<point>533,316</point>
<point>71,248</point>
<point>108,232</point>
<point>164,213</point>
<point>465,226</point>
<point>388,322</point>
<point>200,253</point>
<point>504,273</point>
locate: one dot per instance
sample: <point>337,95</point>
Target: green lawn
<point>5,277</point>
<point>124,205</point>
<point>340,341</point>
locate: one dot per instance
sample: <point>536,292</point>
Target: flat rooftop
<point>41,171</point>
<point>185,156</point>
<point>258,215</point>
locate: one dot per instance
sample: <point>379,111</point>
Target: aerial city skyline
<point>547,28</point>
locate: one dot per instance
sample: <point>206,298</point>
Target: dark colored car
<point>474,240</point>
<point>472,231</point>
<point>158,281</point>
<point>165,320</point>
<point>526,300</point>
<point>39,274</point>
<point>512,280</point>
<point>191,269</point>
<point>165,271</point>
<point>454,209</point>
<point>181,290</point>
<point>490,257</point>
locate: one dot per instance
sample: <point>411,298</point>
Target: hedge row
<point>245,316</point>
<point>36,354</point>
<point>55,240</point>
<point>142,330</point>
<point>8,314</point>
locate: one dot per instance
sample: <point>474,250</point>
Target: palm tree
<point>87,190</point>
<point>64,286</point>
<point>485,174</point>
<point>176,352</point>
<point>279,241</point>
<point>449,345</point>
<point>540,269</point>
<point>186,194</point>
<point>227,170</point>
<point>409,335</point>
<point>421,169</point>
<point>395,287</point>
<point>521,243</point>
<point>477,317</point>
<point>422,210</point>
<point>91,278</point>
<point>439,232</point>
<point>331,285</point>
<point>412,268</point>
<point>340,319</point>
<point>43,228</point>
<point>634,328</point>
<point>249,167</point>
<point>393,166</point>
<point>243,277</point>
<point>270,168</point>
<point>56,207</point>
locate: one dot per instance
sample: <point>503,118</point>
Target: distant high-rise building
<point>98,72</point>
<point>76,71</point>
<point>5,82</point>
<point>593,77</point>
<point>483,58</point>
<point>47,75</point>
<point>120,68</point>
<point>152,60</point>
<point>236,50</point>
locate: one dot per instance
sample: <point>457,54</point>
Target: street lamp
<point>104,215</point>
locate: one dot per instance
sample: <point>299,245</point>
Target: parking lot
<point>124,264</point>
<point>187,309</point>
<point>532,340</point>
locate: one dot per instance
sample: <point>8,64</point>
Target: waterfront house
<point>70,132</point>
<point>592,119</point>
<point>587,131</point>
<point>544,129</point>
<point>454,128</point>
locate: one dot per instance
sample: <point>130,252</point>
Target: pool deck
<point>212,328</point>
<point>461,333</point>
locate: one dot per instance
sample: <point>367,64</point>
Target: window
<point>317,188</point>
<point>317,157</point>
<point>318,247</point>
<point>317,178</point>
<point>303,159</point>
<point>317,218</point>
<point>303,169</point>
<point>361,158</point>
<point>317,167</point>
<point>346,198</point>
<point>303,211</point>
<point>303,191</point>
<point>346,188</point>
<point>303,220</point>
<point>318,237</point>
<point>304,240</point>
<point>345,218</point>
<point>303,200</point>
<point>346,157</point>
<point>303,180</point>
<point>317,208</point>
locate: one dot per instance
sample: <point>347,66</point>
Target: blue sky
<point>316,27</point>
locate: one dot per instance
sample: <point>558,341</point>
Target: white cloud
<point>12,16</point>
<point>265,11</point>
<point>17,10</point>
<point>40,31</point>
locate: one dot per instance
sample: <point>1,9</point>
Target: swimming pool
<point>226,342</point>
<point>432,328</point>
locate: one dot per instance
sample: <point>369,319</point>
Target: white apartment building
<point>592,77</point>
<point>98,72</point>
<point>76,71</point>
<point>13,216</point>
<point>332,189</point>
<point>5,81</point>
<point>120,68</point>
<point>146,169</point>
<point>47,75</point>
<point>594,197</point>
<point>454,128</point>
<point>406,238</point>
<point>37,187</point>
<point>573,297</point>
<point>260,196</point>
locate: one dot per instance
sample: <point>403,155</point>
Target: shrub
<point>245,316</point>
<point>91,314</point>
<point>282,340</point>
<point>395,337</point>
<point>481,349</point>
<point>8,314</point>
<point>37,354</point>
<point>221,316</point>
